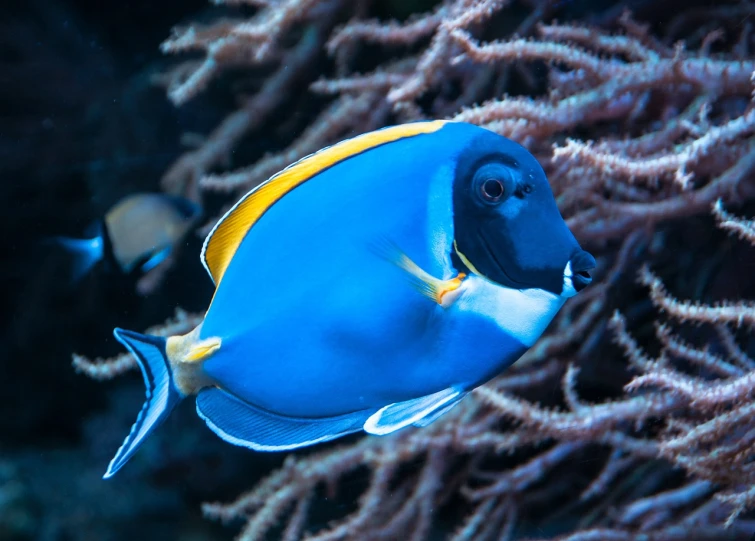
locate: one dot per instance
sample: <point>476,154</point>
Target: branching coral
<point>641,137</point>
<point>715,438</point>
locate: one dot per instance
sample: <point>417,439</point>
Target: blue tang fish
<point>368,286</point>
<point>137,233</point>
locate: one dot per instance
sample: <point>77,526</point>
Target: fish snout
<point>581,263</point>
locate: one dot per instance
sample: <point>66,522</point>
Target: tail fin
<point>162,395</point>
<point>85,253</point>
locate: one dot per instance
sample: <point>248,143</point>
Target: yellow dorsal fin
<point>225,238</point>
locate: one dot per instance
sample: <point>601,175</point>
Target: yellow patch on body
<point>443,292</point>
<point>450,291</point>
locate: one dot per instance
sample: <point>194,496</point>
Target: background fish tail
<point>84,253</point>
<point>162,395</point>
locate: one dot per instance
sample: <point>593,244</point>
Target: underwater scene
<point>345,270</point>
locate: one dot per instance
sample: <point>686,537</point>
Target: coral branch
<point>745,229</point>
<point>736,313</point>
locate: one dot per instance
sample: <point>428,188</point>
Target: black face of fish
<point>506,222</point>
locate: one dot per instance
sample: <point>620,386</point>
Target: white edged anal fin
<point>396,416</point>
<point>247,425</point>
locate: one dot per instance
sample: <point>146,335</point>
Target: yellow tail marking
<point>223,241</point>
<point>202,350</point>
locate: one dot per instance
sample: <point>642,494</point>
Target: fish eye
<point>493,183</point>
<point>492,189</point>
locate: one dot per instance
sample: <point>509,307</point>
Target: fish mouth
<point>577,271</point>
<point>575,276</point>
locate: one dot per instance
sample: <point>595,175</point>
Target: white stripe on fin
<point>243,424</point>
<point>401,414</point>
<point>162,396</point>
<point>438,413</point>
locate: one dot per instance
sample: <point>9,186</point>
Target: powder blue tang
<point>369,286</point>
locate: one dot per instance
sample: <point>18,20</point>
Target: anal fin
<point>243,424</point>
<point>396,416</point>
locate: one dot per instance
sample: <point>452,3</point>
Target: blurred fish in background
<point>138,234</point>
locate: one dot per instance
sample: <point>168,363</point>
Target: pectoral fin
<point>396,416</point>
<point>443,292</point>
<point>434,416</point>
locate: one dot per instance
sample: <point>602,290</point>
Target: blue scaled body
<point>355,331</point>
<point>367,287</point>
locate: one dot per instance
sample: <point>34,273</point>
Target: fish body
<point>399,346</point>
<point>147,225</point>
<point>139,231</point>
<point>337,364</point>
<point>368,286</point>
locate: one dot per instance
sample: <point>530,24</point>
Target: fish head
<point>507,226</point>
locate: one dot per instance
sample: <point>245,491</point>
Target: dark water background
<point>80,126</point>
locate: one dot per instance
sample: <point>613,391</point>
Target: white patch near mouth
<point>568,289</point>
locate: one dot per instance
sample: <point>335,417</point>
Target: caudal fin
<point>162,395</point>
<point>84,254</point>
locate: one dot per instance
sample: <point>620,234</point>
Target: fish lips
<point>580,265</point>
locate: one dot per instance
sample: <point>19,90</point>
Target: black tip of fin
<point>162,396</point>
